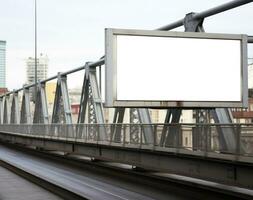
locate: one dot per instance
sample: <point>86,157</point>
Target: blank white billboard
<point>171,69</point>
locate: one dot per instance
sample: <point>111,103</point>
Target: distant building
<point>74,98</point>
<point>244,115</point>
<point>50,92</point>
<point>2,64</point>
<point>3,91</point>
<point>42,68</point>
<point>74,95</point>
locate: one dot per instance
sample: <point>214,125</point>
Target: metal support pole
<point>35,49</point>
<point>100,80</point>
<point>238,140</point>
<point>1,110</point>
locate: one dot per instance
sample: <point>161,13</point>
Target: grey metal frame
<point>41,111</point>
<point>25,116</point>
<point>91,99</point>
<point>111,70</point>
<point>14,109</point>
<point>62,108</point>
<point>6,117</point>
<point>1,110</point>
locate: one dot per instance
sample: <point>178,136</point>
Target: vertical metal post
<point>178,128</point>
<point>142,132</point>
<point>14,109</point>
<point>6,113</point>
<point>100,80</point>
<point>35,49</point>
<point>155,135</point>
<point>238,140</point>
<point>1,110</point>
<point>25,113</point>
<point>124,135</point>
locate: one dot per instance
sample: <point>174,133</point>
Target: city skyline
<point>72,33</point>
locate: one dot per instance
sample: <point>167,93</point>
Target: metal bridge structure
<point>221,151</point>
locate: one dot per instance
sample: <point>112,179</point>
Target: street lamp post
<point>35,49</point>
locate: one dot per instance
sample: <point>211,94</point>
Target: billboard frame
<point>111,70</point>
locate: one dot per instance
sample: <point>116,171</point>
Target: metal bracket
<point>193,25</point>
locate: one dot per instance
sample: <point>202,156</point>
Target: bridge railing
<point>179,136</point>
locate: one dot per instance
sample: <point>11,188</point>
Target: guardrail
<point>180,135</point>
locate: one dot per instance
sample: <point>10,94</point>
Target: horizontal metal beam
<point>207,13</point>
<point>250,39</point>
<point>91,64</point>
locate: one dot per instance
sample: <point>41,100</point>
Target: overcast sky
<point>71,32</point>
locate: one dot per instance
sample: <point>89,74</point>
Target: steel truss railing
<point>209,141</point>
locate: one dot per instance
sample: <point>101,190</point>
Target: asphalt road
<point>14,187</point>
<point>98,181</point>
<point>86,183</point>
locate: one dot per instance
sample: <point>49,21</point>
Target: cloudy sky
<point>71,32</point>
